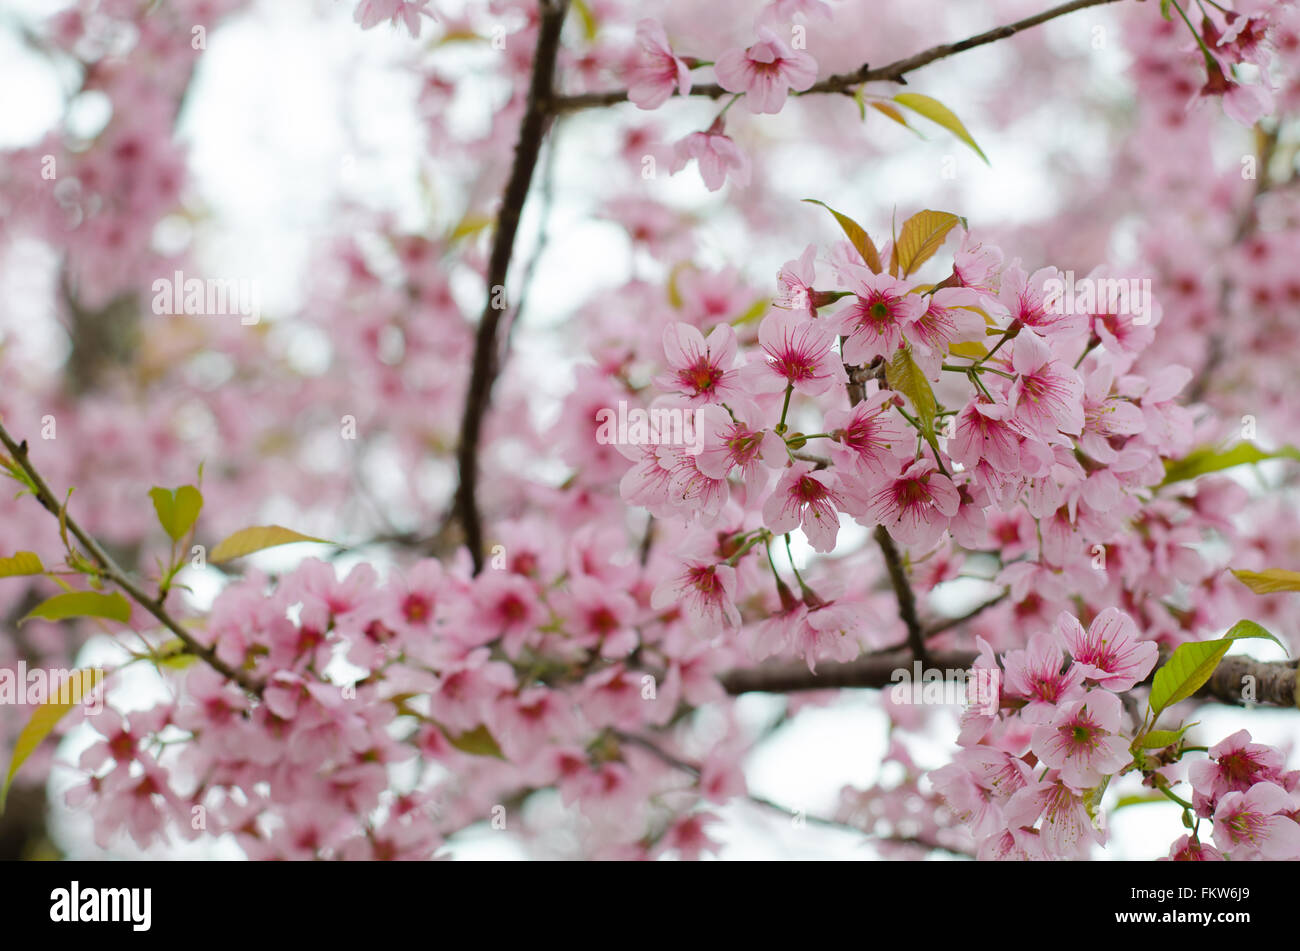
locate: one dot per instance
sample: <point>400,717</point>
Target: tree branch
<point>114,573</point>
<point>870,671</point>
<point>485,364</point>
<point>845,83</point>
<point>903,592</point>
<point>948,623</point>
<point>1270,683</point>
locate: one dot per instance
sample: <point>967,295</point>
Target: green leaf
<point>113,606</point>
<point>1269,581</point>
<point>923,234</point>
<point>1192,664</point>
<point>177,510</point>
<point>248,540</point>
<point>972,349</point>
<point>476,742</point>
<point>903,374</point>
<point>586,18</point>
<point>79,684</point>
<point>1137,799</point>
<point>674,291</point>
<point>19,475</point>
<point>1250,629</point>
<point>885,109</point>
<point>857,236</point>
<point>1164,9</point>
<point>755,311</point>
<point>1186,671</point>
<point>174,655</point>
<point>1159,739</point>
<point>469,226</point>
<point>937,112</point>
<point>22,563</point>
<point>1210,459</point>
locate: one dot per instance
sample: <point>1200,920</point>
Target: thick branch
<point>873,671</point>
<point>114,573</point>
<point>484,368</point>
<point>845,83</point>
<point>1264,683</point>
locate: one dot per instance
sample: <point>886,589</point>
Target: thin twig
<point>903,592</point>
<point>114,573</point>
<point>694,771</point>
<point>845,83</point>
<point>948,623</point>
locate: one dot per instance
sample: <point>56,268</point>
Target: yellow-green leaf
<point>885,109</point>
<point>476,742</point>
<point>937,112</point>
<point>923,234</point>
<point>1190,666</point>
<point>857,236</point>
<point>1209,459</point>
<point>248,540</point>
<point>968,348</point>
<point>586,18</point>
<point>174,655</point>
<point>674,291</point>
<point>177,510</point>
<point>22,563</point>
<point>1269,581</point>
<point>1159,739</point>
<point>1251,629</point>
<point>113,606</point>
<point>79,684</point>
<point>755,311</point>
<point>469,226</point>
<point>1137,799</point>
<point>1193,663</point>
<point>903,374</point>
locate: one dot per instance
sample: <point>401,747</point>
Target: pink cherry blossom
<point>1047,394</point>
<point>1083,740</point>
<point>914,506</point>
<point>707,591</point>
<point>717,155</point>
<point>1259,823</point>
<point>765,72</point>
<point>805,498</point>
<point>874,323</point>
<point>1110,653</point>
<point>370,13</point>
<point>1233,765</point>
<point>1038,674</point>
<point>699,369</point>
<point>797,352</point>
<point>658,71</point>
<point>868,436</point>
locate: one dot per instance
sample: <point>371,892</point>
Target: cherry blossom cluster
<point>1047,423</point>
<point>960,405</point>
<point>1029,779</point>
<point>476,690</point>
